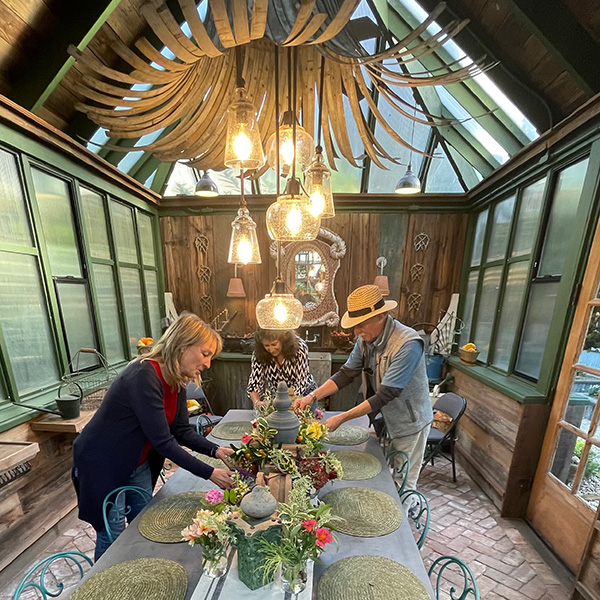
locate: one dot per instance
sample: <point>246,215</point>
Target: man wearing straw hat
<point>390,358</point>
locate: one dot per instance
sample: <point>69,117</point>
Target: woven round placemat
<point>164,521</point>
<point>147,578</point>
<point>348,435</point>
<point>231,430</point>
<point>367,512</point>
<point>373,577</point>
<point>358,465</point>
<point>216,463</point>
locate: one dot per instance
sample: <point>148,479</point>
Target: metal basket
<point>93,381</point>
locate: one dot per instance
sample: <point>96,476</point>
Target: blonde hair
<point>189,330</point>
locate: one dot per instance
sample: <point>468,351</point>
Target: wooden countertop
<point>16,453</point>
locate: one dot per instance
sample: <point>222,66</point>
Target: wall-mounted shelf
<point>57,423</point>
<point>13,454</point>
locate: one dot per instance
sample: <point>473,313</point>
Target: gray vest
<point>410,411</point>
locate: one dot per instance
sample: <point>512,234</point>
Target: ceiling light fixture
<point>206,187</point>
<point>409,183</point>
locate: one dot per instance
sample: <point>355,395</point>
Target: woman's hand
<point>302,403</point>
<point>334,422</point>
<point>258,404</point>
<point>222,477</point>
<point>224,453</point>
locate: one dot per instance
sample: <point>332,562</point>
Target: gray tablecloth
<point>399,545</point>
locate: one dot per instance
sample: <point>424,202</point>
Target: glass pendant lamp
<point>279,309</point>
<point>243,247</point>
<point>305,146</point>
<point>291,218</point>
<point>317,180</point>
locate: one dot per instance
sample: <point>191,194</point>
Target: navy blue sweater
<point>109,448</point>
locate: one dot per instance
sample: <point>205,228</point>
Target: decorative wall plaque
<point>421,242</point>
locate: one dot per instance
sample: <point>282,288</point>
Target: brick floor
<point>464,523</point>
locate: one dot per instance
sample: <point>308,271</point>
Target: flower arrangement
<point>305,532</point>
<point>254,450</point>
<point>312,432</point>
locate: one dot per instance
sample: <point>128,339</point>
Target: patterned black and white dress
<point>293,371</point>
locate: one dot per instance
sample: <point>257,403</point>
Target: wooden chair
<point>399,462</point>
<point>112,501</point>
<point>468,588</point>
<point>441,443</point>
<point>41,570</point>
<point>417,510</point>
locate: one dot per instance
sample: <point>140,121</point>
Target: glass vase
<point>214,562</point>
<point>293,578</point>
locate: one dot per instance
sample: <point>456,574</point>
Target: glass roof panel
<point>471,176</point>
<point>442,176</point>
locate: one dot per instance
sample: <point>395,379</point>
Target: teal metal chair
<point>112,501</point>
<point>399,463</point>
<point>418,512</point>
<point>40,570</point>
<point>444,588</point>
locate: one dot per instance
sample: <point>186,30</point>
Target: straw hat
<point>363,303</point>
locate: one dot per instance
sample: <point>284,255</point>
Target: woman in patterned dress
<point>279,356</point>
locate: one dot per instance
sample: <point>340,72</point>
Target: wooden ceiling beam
<point>78,24</point>
<point>564,37</point>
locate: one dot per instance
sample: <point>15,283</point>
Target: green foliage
<point>592,466</point>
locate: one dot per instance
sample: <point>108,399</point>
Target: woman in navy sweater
<point>142,420</point>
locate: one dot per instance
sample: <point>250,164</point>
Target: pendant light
<point>236,286</point>
<point>279,310</point>
<point>206,187</point>
<point>381,280</point>
<point>409,183</point>
<point>243,147</point>
<point>290,218</point>
<point>317,178</point>
<point>243,246</point>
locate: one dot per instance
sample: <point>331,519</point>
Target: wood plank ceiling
<point>536,63</point>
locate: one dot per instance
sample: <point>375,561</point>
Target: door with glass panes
<point>566,490</point>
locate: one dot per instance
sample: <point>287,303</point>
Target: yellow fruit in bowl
<point>470,347</point>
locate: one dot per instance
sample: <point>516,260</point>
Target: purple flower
<point>214,496</point>
<point>319,414</point>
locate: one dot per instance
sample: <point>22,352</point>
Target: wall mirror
<point>309,269</point>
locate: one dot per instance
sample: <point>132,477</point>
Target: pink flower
<point>319,414</point>
<point>214,496</point>
<point>323,537</point>
<point>309,525</point>
<point>246,438</point>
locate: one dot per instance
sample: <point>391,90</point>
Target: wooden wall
<point>367,236</point>
<point>499,443</point>
<point>33,503</point>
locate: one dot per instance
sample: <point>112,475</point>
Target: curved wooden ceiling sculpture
<point>189,94</point>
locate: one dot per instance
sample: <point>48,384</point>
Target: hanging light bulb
<point>206,187</point>
<point>290,218</point>
<point>305,146</point>
<point>279,309</point>
<point>243,148</point>
<point>243,247</point>
<point>409,183</point>
<point>317,180</point>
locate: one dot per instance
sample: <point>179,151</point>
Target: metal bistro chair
<point>206,420</point>
<point>439,442</point>
<point>445,587</point>
<point>417,511</point>
<point>108,504</point>
<point>399,462</point>
<point>41,570</point>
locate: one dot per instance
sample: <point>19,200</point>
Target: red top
<point>170,403</point>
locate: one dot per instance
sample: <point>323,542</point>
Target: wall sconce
<point>381,280</point>
<point>236,286</point>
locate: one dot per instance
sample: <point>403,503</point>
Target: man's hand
<point>300,404</point>
<point>334,422</point>
<point>224,453</point>
<point>222,477</point>
<point>258,404</point>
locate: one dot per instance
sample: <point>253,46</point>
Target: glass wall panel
<point>94,220</point>
<point>25,324</point>
<point>468,306</point>
<point>153,304</point>
<point>14,224</point>
<point>487,310</point>
<point>54,203</point>
<point>479,237</point>
<point>77,319</point>
<point>134,310</point>
<point>146,239</point>
<point>588,486</point>
<point>528,219</point>
<point>562,214</point>
<point>109,312</point>
<point>510,312</point>
<point>590,354</point>
<point>565,460</point>
<point>502,218</point>
<point>582,400</point>
<point>122,221</point>
<point>535,329</point>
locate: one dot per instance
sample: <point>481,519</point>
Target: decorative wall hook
<point>421,242</point>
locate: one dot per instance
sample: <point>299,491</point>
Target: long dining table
<point>399,545</point>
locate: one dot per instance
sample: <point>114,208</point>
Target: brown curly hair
<point>289,344</point>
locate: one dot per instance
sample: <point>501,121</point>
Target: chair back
<point>112,501</point>
<point>452,404</point>
<point>417,510</point>
<point>399,463</point>
<point>36,576</point>
<point>446,586</point>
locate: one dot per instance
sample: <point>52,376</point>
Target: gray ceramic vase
<point>259,503</point>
